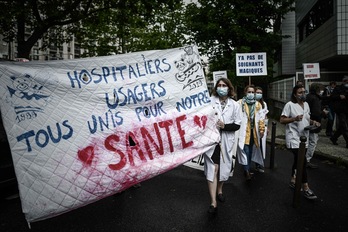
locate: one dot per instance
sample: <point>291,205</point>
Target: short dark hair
<point>315,88</point>
<point>294,91</point>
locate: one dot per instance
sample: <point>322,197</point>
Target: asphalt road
<point>178,201</point>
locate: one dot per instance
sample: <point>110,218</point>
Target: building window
<point>321,12</point>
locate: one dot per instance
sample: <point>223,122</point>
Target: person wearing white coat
<point>251,131</point>
<point>259,98</point>
<point>218,162</point>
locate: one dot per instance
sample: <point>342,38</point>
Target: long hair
<point>261,100</point>
<point>294,91</point>
<point>229,85</point>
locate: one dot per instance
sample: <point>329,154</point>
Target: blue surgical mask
<point>258,96</point>
<point>222,91</point>
<point>250,96</point>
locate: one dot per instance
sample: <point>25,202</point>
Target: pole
<point>274,128</point>
<point>299,171</point>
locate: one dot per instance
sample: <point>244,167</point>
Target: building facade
<point>322,36</point>
<point>71,50</point>
<point>317,32</point>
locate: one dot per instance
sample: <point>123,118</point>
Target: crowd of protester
<point>243,123</point>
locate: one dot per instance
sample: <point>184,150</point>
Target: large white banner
<point>81,130</point>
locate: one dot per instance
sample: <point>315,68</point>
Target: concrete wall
<point>288,44</point>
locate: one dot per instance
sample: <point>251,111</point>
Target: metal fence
<point>281,90</point>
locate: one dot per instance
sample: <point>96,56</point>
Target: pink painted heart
<point>200,121</point>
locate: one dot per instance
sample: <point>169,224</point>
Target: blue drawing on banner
<point>190,69</point>
<point>26,96</point>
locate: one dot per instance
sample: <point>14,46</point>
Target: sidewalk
<point>325,148</point>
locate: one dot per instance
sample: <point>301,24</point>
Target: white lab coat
<point>264,138</point>
<point>229,115</point>
<point>256,156</point>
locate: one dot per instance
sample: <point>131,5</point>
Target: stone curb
<point>337,159</point>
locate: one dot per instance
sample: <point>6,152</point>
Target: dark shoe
<point>310,165</point>
<point>334,141</point>
<point>309,194</point>
<point>221,197</point>
<point>260,169</point>
<point>248,175</point>
<point>292,185</point>
<point>212,209</point>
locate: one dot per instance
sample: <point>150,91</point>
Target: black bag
<point>313,129</point>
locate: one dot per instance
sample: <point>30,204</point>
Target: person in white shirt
<point>296,116</point>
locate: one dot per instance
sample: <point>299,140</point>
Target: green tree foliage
<point>132,28</point>
<point>55,21</point>
<point>226,27</point>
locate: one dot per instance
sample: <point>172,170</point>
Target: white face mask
<point>250,96</point>
<point>222,91</point>
<point>258,96</point>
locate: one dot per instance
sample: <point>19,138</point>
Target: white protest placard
<point>251,64</point>
<point>80,130</point>
<point>219,74</point>
<point>311,71</point>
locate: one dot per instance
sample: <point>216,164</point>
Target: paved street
<point>178,201</point>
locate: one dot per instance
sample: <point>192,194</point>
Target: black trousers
<point>216,155</point>
<point>342,128</point>
<point>294,165</point>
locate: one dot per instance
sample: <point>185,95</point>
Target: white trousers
<point>312,143</point>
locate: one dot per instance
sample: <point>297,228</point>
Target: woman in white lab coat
<point>251,131</point>
<point>259,98</point>
<point>218,162</point>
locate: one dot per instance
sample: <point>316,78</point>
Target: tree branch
<point>36,11</point>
